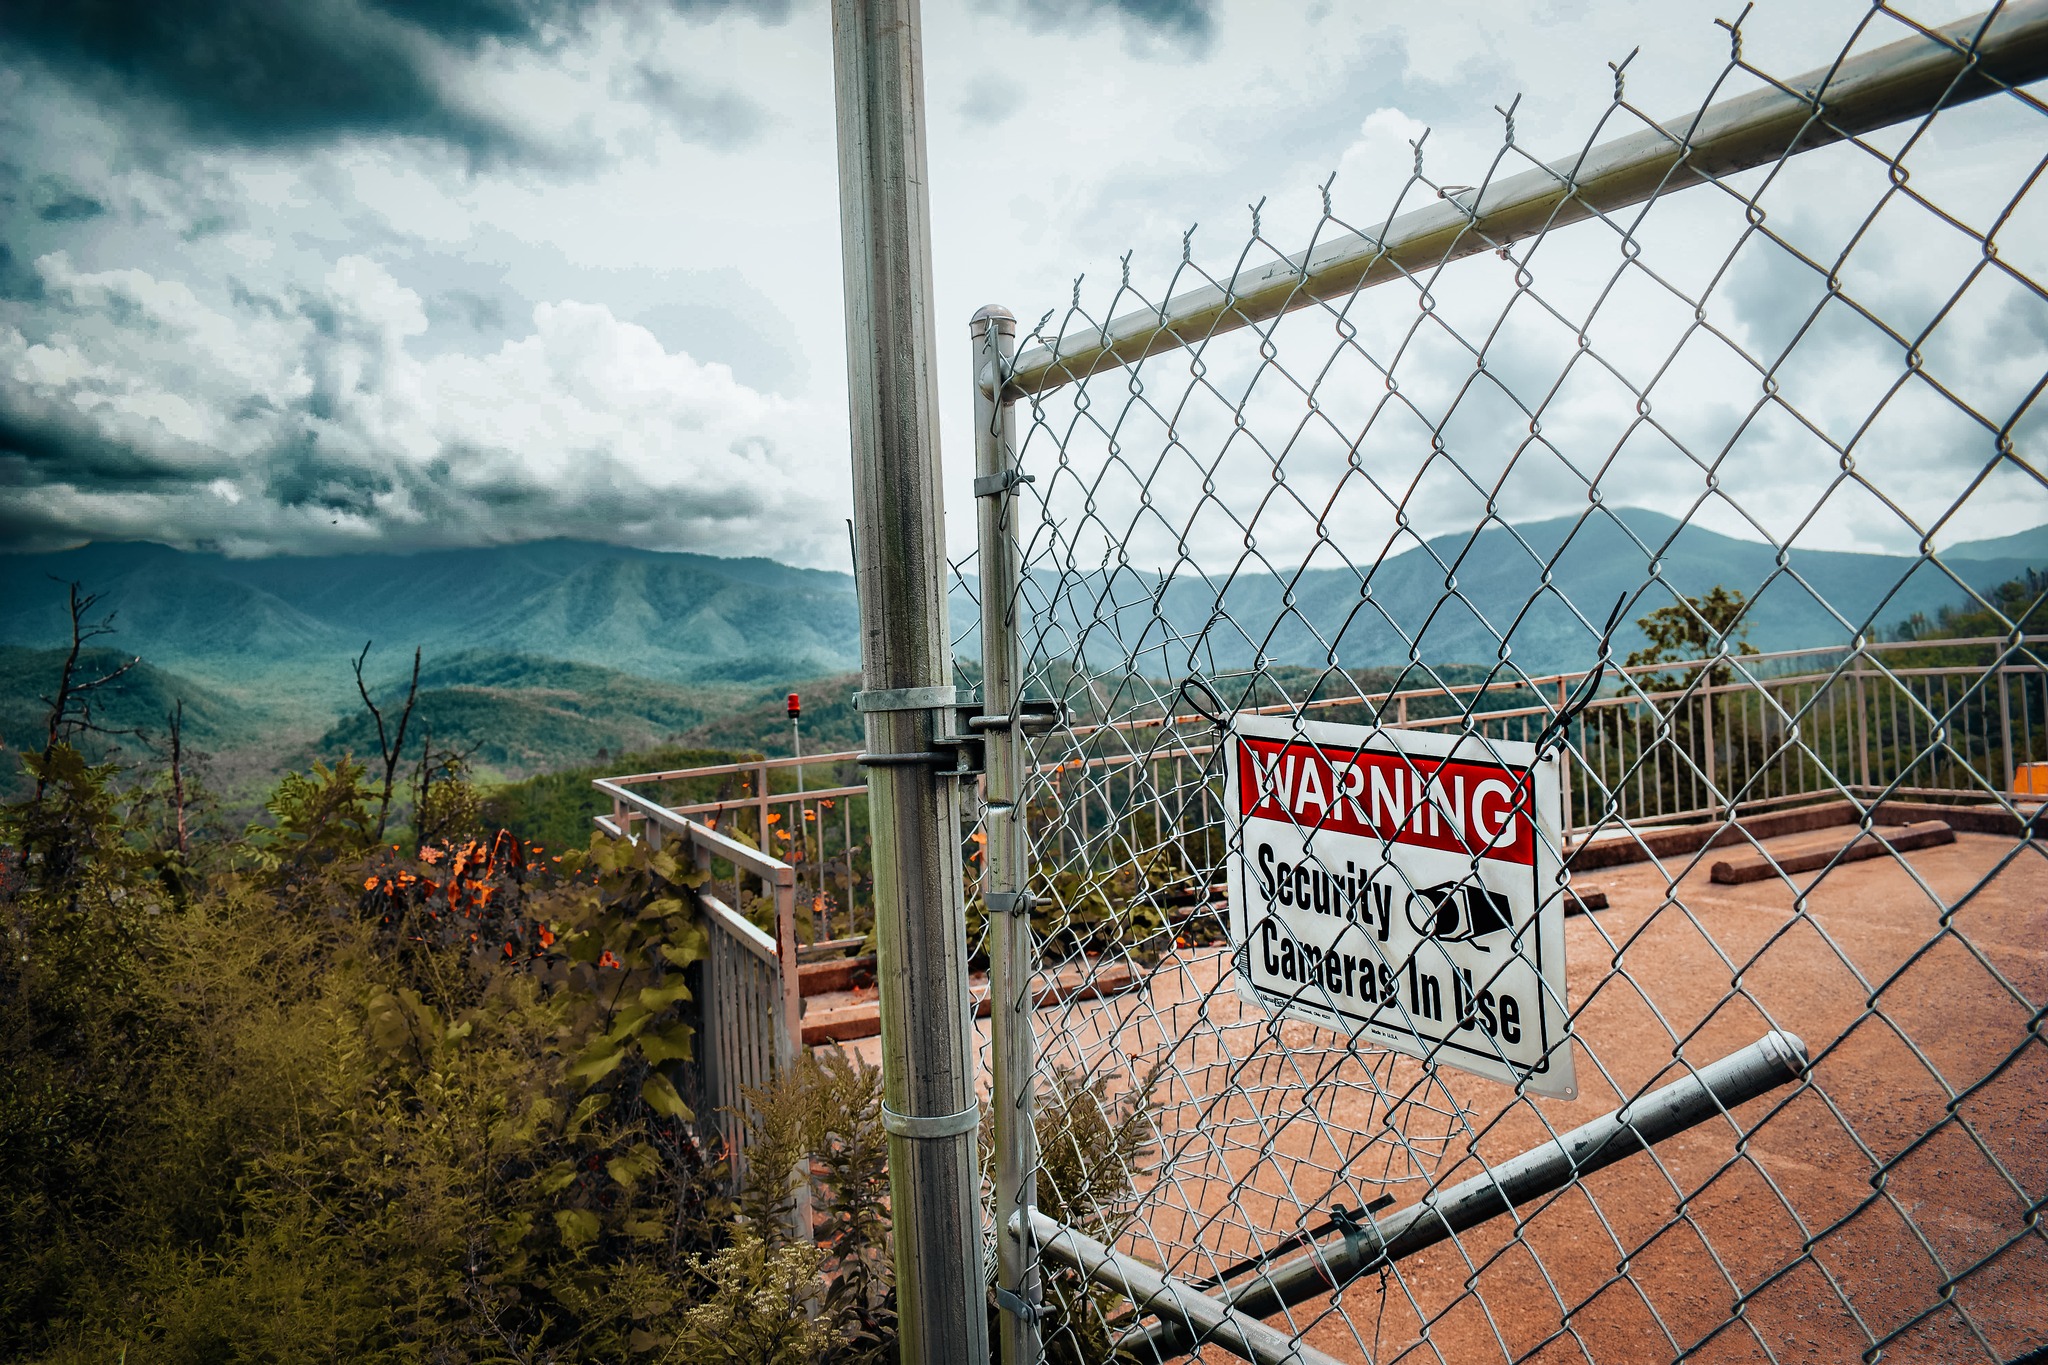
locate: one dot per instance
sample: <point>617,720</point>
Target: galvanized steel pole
<point>1008,877</point>
<point>929,1104</point>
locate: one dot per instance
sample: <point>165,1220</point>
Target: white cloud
<point>234,306</point>
<point>332,426</point>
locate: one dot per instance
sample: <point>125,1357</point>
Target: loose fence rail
<point>1806,1122</point>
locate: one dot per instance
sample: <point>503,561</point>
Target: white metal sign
<point>1403,887</point>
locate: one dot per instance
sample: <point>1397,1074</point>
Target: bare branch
<point>389,748</point>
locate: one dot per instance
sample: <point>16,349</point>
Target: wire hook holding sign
<point>1214,712</point>
<point>1554,733</point>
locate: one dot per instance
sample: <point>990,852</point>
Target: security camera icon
<point>1458,912</point>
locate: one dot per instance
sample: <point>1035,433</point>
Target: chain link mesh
<point>1427,503</point>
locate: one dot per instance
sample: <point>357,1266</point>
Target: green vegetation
<point>129,712</point>
<point>1692,628</point>
<point>293,1093</point>
<point>555,809</point>
<point>761,722</point>
<point>2018,604</point>
<point>318,1101</point>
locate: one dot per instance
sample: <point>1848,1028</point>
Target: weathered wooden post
<point>929,1104</point>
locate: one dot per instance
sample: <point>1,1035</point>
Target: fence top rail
<point>762,865</point>
<point>1963,61</point>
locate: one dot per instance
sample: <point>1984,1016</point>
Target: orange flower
<point>773,816</point>
<point>370,885</point>
<point>430,856</point>
<point>810,815</point>
<point>608,960</point>
<point>547,937</point>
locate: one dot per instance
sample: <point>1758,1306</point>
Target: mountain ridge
<point>1542,589</point>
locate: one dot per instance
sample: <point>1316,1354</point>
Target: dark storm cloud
<point>269,71</point>
<point>719,119</point>
<point>260,420</point>
<point>280,72</point>
<point>1190,23</point>
<point>17,280</point>
<point>39,446</point>
<point>69,206</point>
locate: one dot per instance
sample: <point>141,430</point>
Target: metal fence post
<point>1008,875</point>
<point>928,1043</point>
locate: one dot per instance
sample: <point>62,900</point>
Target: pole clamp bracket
<point>1009,902</point>
<point>1033,716</point>
<point>1362,1240</point>
<point>995,485</point>
<point>958,749</point>
<point>906,699</point>
<point>931,1127</point>
<point>1017,1306</point>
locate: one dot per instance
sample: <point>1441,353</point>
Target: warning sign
<point>1402,887</point>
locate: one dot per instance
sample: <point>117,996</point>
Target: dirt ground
<point>1900,1184</point>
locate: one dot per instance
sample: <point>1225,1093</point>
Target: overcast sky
<point>308,275</point>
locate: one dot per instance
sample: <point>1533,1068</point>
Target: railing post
<point>928,1042</point>
<point>789,1042</point>
<point>2005,725</point>
<point>1007,879</point>
<point>1862,726</point>
<point>1707,732</point>
<point>1564,767</point>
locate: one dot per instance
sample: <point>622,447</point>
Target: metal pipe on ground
<point>1756,1070</point>
<point>929,1105</point>
<point>1233,1331</point>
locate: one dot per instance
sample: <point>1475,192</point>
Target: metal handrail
<point>638,806</point>
<point>1377,700</point>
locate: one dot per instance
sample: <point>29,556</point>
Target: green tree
<point>2017,604</point>
<point>1692,628</point>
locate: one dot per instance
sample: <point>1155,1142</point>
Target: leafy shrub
<point>333,1101</point>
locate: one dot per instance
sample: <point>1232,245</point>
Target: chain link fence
<point>1425,477</point>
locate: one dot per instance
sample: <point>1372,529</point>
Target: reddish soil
<point>1900,1184</point>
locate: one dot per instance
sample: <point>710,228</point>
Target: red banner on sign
<point>1483,809</point>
